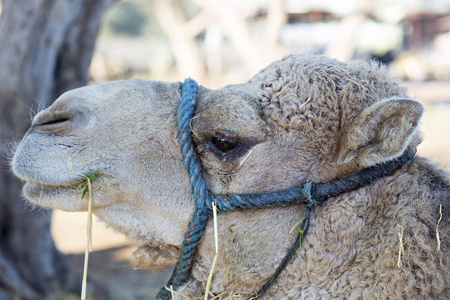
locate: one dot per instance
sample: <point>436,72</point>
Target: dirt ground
<point>111,278</point>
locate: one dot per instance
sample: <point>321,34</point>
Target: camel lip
<point>67,198</point>
<point>71,183</point>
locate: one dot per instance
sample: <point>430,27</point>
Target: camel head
<point>302,118</point>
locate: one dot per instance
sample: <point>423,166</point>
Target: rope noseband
<point>311,193</point>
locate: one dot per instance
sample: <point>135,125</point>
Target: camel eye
<point>224,145</point>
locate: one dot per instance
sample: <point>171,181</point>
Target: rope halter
<point>311,193</point>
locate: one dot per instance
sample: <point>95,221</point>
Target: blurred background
<point>51,46</point>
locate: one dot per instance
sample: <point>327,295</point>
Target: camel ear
<point>380,132</point>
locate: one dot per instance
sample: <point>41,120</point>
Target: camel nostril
<point>55,122</point>
<point>52,123</point>
<point>61,118</point>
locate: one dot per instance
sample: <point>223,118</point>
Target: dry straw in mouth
<point>89,239</point>
<point>86,187</point>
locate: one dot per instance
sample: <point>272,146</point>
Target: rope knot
<point>308,190</point>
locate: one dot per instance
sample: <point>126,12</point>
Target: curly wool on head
<point>317,94</point>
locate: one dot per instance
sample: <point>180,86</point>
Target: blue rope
<point>185,114</point>
<point>196,226</point>
<point>311,193</point>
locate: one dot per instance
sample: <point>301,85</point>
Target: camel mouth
<point>67,196</point>
<point>30,188</point>
<point>45,194</point>
<point>74,182</point>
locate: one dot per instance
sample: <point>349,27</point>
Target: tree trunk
<point>46,49</point>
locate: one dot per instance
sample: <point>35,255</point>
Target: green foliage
<point>300,232</point>
<point>125,18</point>
<point>85,185</point>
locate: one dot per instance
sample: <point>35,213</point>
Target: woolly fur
<point>319,96</point>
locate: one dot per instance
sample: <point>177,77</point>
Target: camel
<point>303,118</point>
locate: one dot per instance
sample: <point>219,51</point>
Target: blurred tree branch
<point>237,30</point>
<point>253,53</point>
<point>343,46</point>
<point>182,34</point>
<point>276,19</point>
